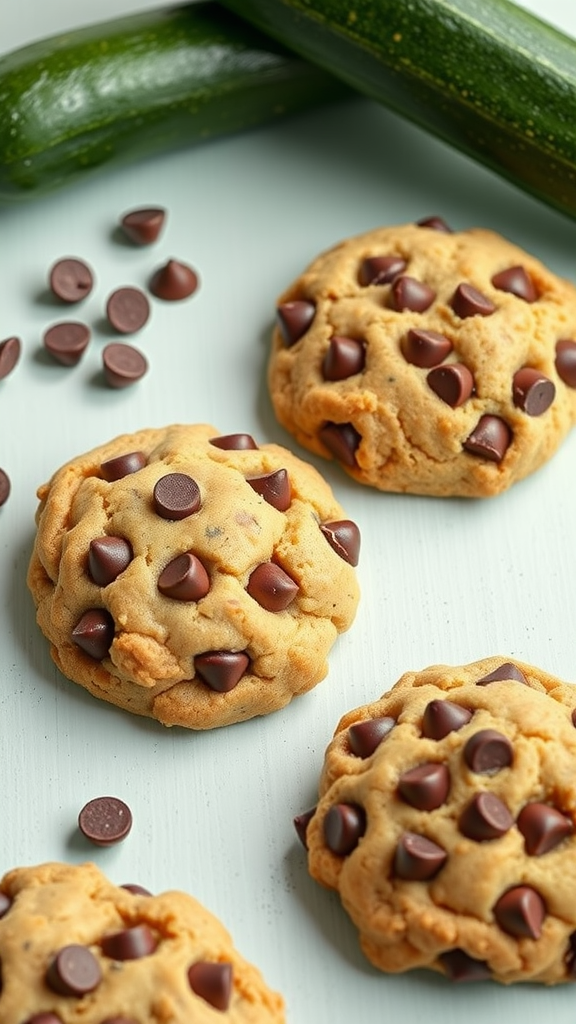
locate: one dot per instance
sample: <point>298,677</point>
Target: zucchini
<point>139,85</point>
<point>494,81</point>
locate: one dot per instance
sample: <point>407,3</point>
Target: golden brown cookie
<point>76,949</point>
<point>196,578</point>
<point>427,360</point>
<point>446,823</point>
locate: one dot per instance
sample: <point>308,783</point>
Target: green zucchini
<point>494,81</point>
<point>114,92</point>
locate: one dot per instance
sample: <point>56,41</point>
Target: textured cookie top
<point>427,360</point>
<point>197,578</point>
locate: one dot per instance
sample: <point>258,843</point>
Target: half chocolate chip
<point>380,269</point>
<point>10,350</point>
<point>461,967</point>
<point>566,361</point>
<point>234,442</point>
<point>488,751</point>
<point>130,944</point>
<point>469,301</point>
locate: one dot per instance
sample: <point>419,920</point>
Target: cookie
<point>76,949</point>
<point>426,360</point>
<point>196,578</point>
<point>446,823</point>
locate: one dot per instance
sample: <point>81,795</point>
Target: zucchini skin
<point>485,76</point>
<point>118,91</point>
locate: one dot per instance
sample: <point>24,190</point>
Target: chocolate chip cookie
<point>427,360</point>
<point>76,948</point>
<point>446,823</point>
<point>196,578</point>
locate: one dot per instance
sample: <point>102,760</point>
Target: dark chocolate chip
<point>176,496</point>
<point>516,281</point>
<point>442,717</point>
<point>274,488</point>
<point>543,828</point>
<point>461,967</point>
<point>184,579</point>
<point>365,737</point>
<point>418,859</point>
<point>123,365</point>
<point>435,223</point>
<point>425,348</point>
<point>105,820</point>
<point>107,558</point>
<point>71,280</point>
<point>143,226</point>
<point>294,319</point>
<point>468,301</point>
<point>425,787</point>
<point>301,822</point>
<point>488,751</point>
<point>566,361</point>
<point>67,341</point>
<point>127,310</point>
<point>120,1020</point>
<point>5,903</point>
<point>380,269</point>
<point>94,633</point>
<point>341,440</point>
<point>5,487</point>
<point>130,944</point>
<point>343,827</point>
<point>344,537</point>
<point>44,1018</point>
<point>532,391</point>
<point>490,438</point>
<point>221,670</point>
<point>344,358</point>
<point>212,982</point>
<point>123,465</point>
<point>74,971</point>
<point>174,281</point>
<point>506,671</point>
<point>409,293</point>
<point>520,912</point>
<point>135,889</point>
<point>234,442</point>
<point>452,383</point>
<point>271,587</point>
<point>10,350</point>
<point>486,817</point>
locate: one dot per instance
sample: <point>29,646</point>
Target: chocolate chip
<point>344,358</point>
<point>176,496</point>
<point>442,717</point>
<point>174,281</point>
<point>343,827</point>
<point>532,391</point>
<point>516,281</point>
<point>10,350</point>
<point>94,633</point>
<point>44,1018</point>
<point>425,348</point>
<point>107,558</point>
<point>221,670</point>
<point>435,223</point>
<point>234,442</point>
<point>294,319</point>
<point>74,971</point>
<point>137,890</point>
<point>507,671</point>
<point>521,912</point>
<point>184,579</point>
<point>341,440</point>
<point>490,438</point>
<point>365,737</point>
<point>486,817</point>
<point>271,587</point>
<point>67,341</point>
<point>488,751</point>
<point>123,465</point>
<point>418,859</point>
<point>5,904</point>
<point>105,820</point>
<point>461,967</point>
<point>212,982</point>
<point>5,487</point>
<point>127,310</point>
<point>543,828</point>
<point>380,269</point>
<point>344,537</point>
<point>425,787</point>
<point>301,822</point>
<point>274,488</point>
<point>409,293</point>
<point>120,1020</point>
<point>123,365</point>
<point>468,301</point>
<point>452,383</point>
<point>143,226</point>
<point>130,944</point>
<point>71,280</point>
<point>566,361</point>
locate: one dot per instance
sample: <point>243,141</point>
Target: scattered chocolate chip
<point>176,496</point>
<point>344,357</point>
<point>271,587</point>
<point>184,579</point>
<point>507,671</point>
<point>174,281</point>
<point>74,971</point>
<point>107,558</point>
<point>123,465</point>
<point>380,269</point>
<point>10,350</point>
<point>343,826</point>
<point>490,438</point>
<point>136,890</point>
<point>532,391</point>
<point>425,787</point>
<point>221,670</point>
<point>67,341</point>
<point>409,293</point>
<point>212,982</point>
<point>94,633</point>
<point>344,537</point>
<point>488,751</point>
<point>486,817</point>
<point>127,310</point>
<point>521,912</point>
<point>71,280</point>
<point>566,361</point>
<point>516,281</point>
<point>418,859</point>
<point>130,944</point>
<point>274,488</point>
<point>543,828</point>
<point>123,365</point>
<point>234,442</point>
<point>105,820</point>
<point>468,301</point>
<point>442,717</point>
<point>5,487</point>
<point>5,903</point>
<point>294,319</point>
<point>143,226</point>
<point>301,822</point>
<point>365,737</point>
<point>435,223</point>
<point>341,440</point>
<point>425,348</point>
<point>459,966</point>
<point>452,383</point>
